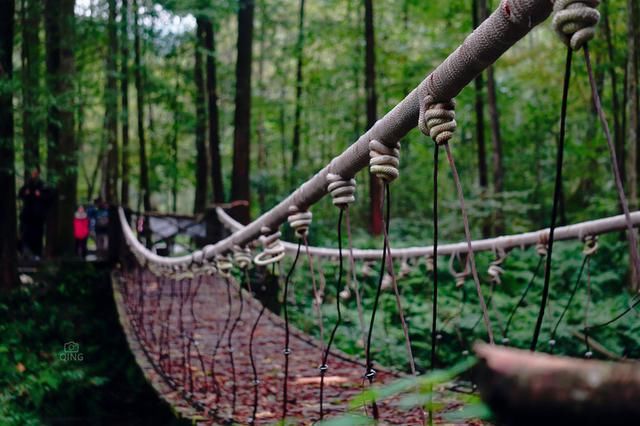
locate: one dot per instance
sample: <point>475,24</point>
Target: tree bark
<point>8,221</point>
<point>30,73</point>
<point>496,138</point>
<point>201,122</point>
<point>124,88</point>
<point>217,184</point>
<point>111,109</point>
<point>62,153</point>
<point>142,151</point>
<point>295,153</point>
<point>483,178</point>
<point>618,129</point>
<point>633,108</point>
<point>375,188</point>
<point>242,117</point>
<point>524,388</point>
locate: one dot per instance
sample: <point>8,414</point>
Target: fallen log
<point>524,388</point>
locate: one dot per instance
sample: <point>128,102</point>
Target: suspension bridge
<point>218,356</point>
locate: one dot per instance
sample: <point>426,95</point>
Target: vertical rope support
<point>556,201</point>
<point>437,119</point>
<point>342,193</point>
<point>354,278</point>
<point>299,222</point>
<point>632,236</point>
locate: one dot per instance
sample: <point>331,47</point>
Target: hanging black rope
<point>505,334</point>
<point>324,367</point>
<point>256,381</point>
<point>287,351</point>
<point>556,200</point>
<point>552,341</point>
<point>225,327</point>
<point>434,303</point>
<point>370,373</point>
<point>230,343</point>
<point>635,301</point>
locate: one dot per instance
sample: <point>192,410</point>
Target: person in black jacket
<point>35,202</point>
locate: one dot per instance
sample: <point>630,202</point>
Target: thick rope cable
<point>556,201</point>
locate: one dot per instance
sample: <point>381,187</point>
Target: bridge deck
<point>162,336</point>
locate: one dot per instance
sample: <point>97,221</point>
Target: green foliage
<point>40,385</point>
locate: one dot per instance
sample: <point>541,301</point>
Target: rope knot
<point>429,263</point>
<point>384,160</point>
<point>575,21</point>
<point>460,277</point>
<point>542,247</point>
<point>342,190</point>
<point>590,245</point>
<point>299,221</point>
<point>242,256</point>
<point>224,265</point>
<point>273,249</point>
<point>438,119</point>
<point>495,269</point>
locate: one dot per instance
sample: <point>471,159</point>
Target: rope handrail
<point>569,232</point>
<point>509,23</point>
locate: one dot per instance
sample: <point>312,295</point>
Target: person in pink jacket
<point>81,231</point>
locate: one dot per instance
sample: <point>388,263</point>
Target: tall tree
<point>217,184</point>
<point>8,221</point>
<point>242,117</point>
<point>375,188</point>
<point>633,107</point>
<point>139,83</point>
<point>31,14</point>
<point>483,179</point>
<point>62,159</point>
<point>618,129</point>
<point>111,109</point>
<point>496,138</point>
<point>201,123</point>
<point>295,154</point>
<point>124,88</point>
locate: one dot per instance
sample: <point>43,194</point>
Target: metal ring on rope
<point>274,251</point>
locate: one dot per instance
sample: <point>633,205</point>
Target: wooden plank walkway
<point>166,336</point>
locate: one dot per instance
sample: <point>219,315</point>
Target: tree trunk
<point>217,184</point>
<point>496,139</point>
<point>295,154</point>
<point>201,123</point>
<point>62,154</point>
<point>142,151</point>
<point>524,388</point>
<point>479,107</point>
<point>8,221</point>
<point>31,117</point>
<point>111,108</point>
<point>175,106</point>
<point>375,188</point>
<point>124,88</point>
<point>242,117</point>
<point>633,109</point>
<point>618,129</point>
